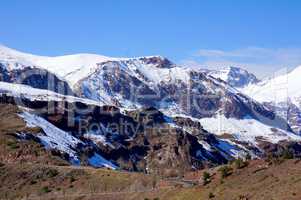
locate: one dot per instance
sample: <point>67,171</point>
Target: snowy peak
<point>235,76</point>
<point>278,88</point>
<point>73,68</point>
<point>282,93</point>
<point>158,61</point>
<point>60,65</point>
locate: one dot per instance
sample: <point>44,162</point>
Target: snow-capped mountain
<point>215,121</point>
<point>235,76</point>
<point>277,88</point>
<point>65,67</point>
<point>281,93</point>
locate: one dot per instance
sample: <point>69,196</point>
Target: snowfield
<point>246,130</point>
<point>277,89</point>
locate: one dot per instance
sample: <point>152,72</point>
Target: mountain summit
<point>235,76</point>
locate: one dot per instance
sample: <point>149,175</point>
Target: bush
<point>52,173</point>
<point>225,171</point>
<point>248,157</point>
<point>72,179</point>
<point>286,154</point>
<point>239,163</point>
<point>45,189</point>
<point>32,182</point>
<point>211,195</point>
<point>206,178</point>
<point>13,145</point>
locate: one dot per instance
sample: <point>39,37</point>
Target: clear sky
<point>257,34</point>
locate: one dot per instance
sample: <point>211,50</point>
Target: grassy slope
<point>257,181</point>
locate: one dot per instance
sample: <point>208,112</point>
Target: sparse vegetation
<point>242,180</point>
<point>276,159</point>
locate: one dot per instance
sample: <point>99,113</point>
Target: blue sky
<point>261,35</point>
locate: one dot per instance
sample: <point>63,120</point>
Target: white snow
<point>277,89</point>
<point>156,75</point>
<point>70,67</point>
<point>98,138</point>
<point>246,130</point>
<point>235,76</point>
<point>73,68</point>
<point>18,90</point>
<point>55,138</point>
<point>205,145</point>
<point>98,161</point>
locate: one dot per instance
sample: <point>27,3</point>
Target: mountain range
<point>148,113</point>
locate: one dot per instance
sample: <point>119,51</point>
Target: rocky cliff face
<point>141,140</point>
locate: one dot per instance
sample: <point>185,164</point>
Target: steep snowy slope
<point>282,94</point>
<point>278,88</point>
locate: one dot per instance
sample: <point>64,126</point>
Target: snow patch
<point>246,130</point>
<point>98,161</point>
<point>34,94</point>
<point>54,137</point>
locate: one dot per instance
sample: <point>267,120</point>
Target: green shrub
<point>225,171</point>
<point>72,179</point>
<point>52,173</point>
<point>211,195</point>
<point>45,189</point>
<point>240,163</point>
<point>248,157</point>
<point>32,182</point>
<point>13,145</point>
<point>206,178</point>
<point>286,154</point>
